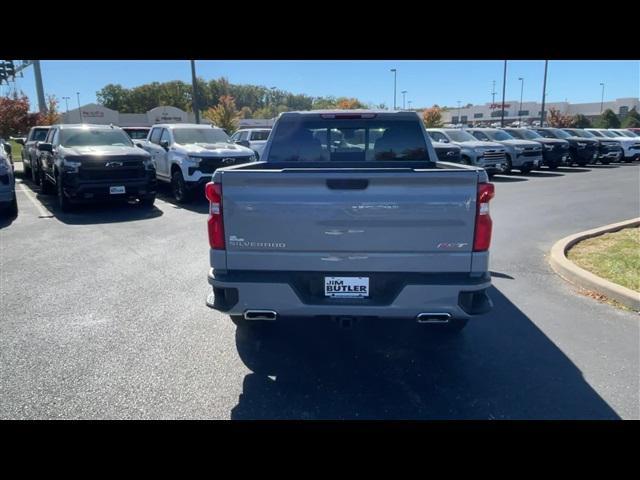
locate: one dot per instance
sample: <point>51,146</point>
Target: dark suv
<point>608,149</point>
<point>555,152</point>
<point>86,162</point>
<point>581,150</point>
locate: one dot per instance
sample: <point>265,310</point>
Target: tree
<point>224,115</point>
<point>608,119</point>
<point>432,117</point>
<point>580,121</point>
<point>51,114</point>
<point>15,118</point>
<point>558,120</point>
<point>632,120</point>
<point>344,103</point>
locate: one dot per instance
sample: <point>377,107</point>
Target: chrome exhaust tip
<point>433,317</point>
<point>260,315</point>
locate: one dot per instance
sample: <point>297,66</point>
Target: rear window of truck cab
<point>357,140</point>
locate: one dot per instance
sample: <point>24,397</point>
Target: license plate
<point>116,190</point>
<point>346,287</point>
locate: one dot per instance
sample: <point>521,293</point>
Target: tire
<point>12,211</point>
<point>552,166</point>
<point>26,171</point>
<point>147,202</point>
<point>605,162</point>
<point>525,170</point>
<point>509,166</point>
<point>63,202</point>
<point>179,188</point>
<point>45,186</point>
<point>35,175</point>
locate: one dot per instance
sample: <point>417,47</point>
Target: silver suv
<point>523,155</point>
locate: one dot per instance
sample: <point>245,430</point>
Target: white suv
<point>253,138</point>
<point>187,154</point>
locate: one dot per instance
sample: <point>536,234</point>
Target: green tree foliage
<point>608,119</point>
<point>224,115</point>
<point>632,120</point>
<point>580,121</point>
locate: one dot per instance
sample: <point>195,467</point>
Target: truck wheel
<point>13,207</point>
<point>525,170</point>
<point>605,162</point>
<point>553,166</point>
<point>35,175</point>
<point>509,166</point>
<point>26,171</point>
<point>179,188</point>
<point>147,202</point>
<point>63,201</point>
<point>45,187</point>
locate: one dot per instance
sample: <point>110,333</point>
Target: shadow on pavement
<point>572,169</point>
<point>604,166</point>
<point>501,366</point>
<point>6,219</point>
<point>506,179</point>
<point>546,173</point>
<point>198,204</point>
<point>89,213</point>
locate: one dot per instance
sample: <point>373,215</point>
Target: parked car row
<point>8,201</point>
<point>501,150</point>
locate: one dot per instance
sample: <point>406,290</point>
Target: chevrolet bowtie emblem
<point>113,164</point>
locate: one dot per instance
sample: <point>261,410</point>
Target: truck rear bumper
<point>459,295</point>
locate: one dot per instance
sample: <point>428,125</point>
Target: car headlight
<point>148,164</point>
<point>548,147</point>
<point>253,158</point>
<point>519,149</point>
<point>194,160</point>
<point>70,166</point>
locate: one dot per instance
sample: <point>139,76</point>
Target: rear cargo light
<point>348,116</point>
<point>482,237</point>
<point>213,192</point>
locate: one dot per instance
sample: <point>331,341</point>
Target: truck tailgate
<point>350,221</point>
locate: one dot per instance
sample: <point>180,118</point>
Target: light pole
<point>459,118</point>
<point>504,86</point>
<point>602,98</point>
<point>404,92</point>
<point>79,110</point>
<point>520,111</point>
<point>66,102</point>
<point>544,92</point>
<point>395,77</point>
<point>194,94</point>
<point>409,102</point>
<point>493,93</point>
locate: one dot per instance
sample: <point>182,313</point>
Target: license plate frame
<point>346,287</point>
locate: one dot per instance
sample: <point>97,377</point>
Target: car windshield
<point>39,134</point>
<point>529,134</point>
<point>498,135</point>
<point>85,137</point>
<point>609,134</point>
<point>582,133</point>
<point>598,134</point>
<point>627,134</point>
<point>561,133</point>
<point>260,134</point>
<point>136,134</point>
<point>460,136</point>
<point>347,140</point>
<point>186,136</point>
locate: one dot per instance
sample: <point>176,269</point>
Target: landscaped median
<point>614,256</point>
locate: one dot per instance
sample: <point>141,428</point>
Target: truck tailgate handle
<point>347,183</point>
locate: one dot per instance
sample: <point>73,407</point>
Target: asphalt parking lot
<point>103,315</point>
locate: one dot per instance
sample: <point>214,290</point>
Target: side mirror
<point>138,144</point>
<point>244,143</point>
<point>443,140</point>
<point>45,147</point>
<point>165,144</point>
<point>20,140</point>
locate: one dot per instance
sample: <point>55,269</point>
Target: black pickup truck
<point>29,154</point>
<point>87,162</point>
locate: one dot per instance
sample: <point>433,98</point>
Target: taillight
<point>482,237</point>
<point>213,192</point>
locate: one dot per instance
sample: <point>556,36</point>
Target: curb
<point>587,280</point>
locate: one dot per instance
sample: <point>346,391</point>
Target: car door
<point>46,158</point>
<point>163,154</point>
<point>152,145</point>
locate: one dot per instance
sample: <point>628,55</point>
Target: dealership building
<point>531,111</point>
<point>99,114</point>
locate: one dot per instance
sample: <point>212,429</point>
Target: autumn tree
<point>15,118</point>
<point>224,115</point>
<point>558,120</point>
<point>51,115</point>
<point>432,117</point>
<point>344,103</point>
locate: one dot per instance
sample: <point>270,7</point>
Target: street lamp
<point>395,76</point>
<point>404,92</point>
<point>520,111</point>
<point>66,102</point>
<point>409,102</point>
<point>79,110</point>
<point>602,98</point>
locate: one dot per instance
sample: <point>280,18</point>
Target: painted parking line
<point>43,213</point>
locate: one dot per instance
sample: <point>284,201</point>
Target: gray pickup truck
<point>367,225</point>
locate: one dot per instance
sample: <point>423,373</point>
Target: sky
<point>426,82</point>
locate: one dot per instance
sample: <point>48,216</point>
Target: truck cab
<point>253,138</point>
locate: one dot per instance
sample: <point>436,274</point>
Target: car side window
<point>155,136</point>
<point>56,137</point>
<point>243,135</point>
<point>165,137</point>
<point>234,137</point>
<point>49,136</point>
<point>437,136</point>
